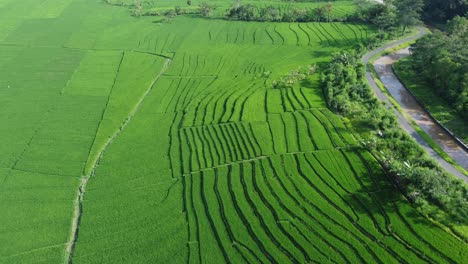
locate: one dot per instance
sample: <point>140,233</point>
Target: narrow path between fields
<point>78,211</point>
<point>408,103</point>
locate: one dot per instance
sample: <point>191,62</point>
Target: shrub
<point>206,9</point>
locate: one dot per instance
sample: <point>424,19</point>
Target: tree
<point>206,9</point>
<point>189,2</point>
<point>288,16</point>
<point>138,8</point>
<point>299,14</point>
<point>442,10</point>
<point>319,13</point>
<point>169,14</point>
<point>270,13</point>
<point>386,21</point>
<point>178,10</point>
<point>408,12</point>
<point>385,17</point>
<point>441,59</point>
<point>243,12</point>
<point>327,9</point>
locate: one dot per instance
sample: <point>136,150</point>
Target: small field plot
<point>36,212</point>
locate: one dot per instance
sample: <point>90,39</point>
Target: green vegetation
<point>250,10</point>
<point>436,105</point>
<point>190,140</point>
<point>423,182</point>
<point>436,75</point>
<point>439,11</point>
<point>391,14</point>
<point>420,131</point>
<point>441,60</point>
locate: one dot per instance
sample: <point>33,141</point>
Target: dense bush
<point>416,175</point>
<point>294,76</point>
<point>345,87</point>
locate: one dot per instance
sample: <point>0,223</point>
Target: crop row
<point>294,208</point>
<point>209,146</point>
<point>292,99</point>
<point>301,34</point>
<point>220,104</point>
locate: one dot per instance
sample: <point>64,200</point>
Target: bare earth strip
<point>383,67</point>
<point>78,211</point>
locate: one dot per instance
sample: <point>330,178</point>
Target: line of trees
<point>251,12</point>
<point>388,17</point>
<point>420,179</point>
<point>443,10</point>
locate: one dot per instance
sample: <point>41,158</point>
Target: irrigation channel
<point>413,109</point>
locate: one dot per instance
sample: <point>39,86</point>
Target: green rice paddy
<point>191,155</point>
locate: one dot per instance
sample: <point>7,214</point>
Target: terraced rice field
<point>127,140</point>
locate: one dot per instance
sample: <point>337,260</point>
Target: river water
<point>408,103</point>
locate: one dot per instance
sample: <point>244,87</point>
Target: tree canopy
<point>442,60</point>
<point>391,14</point>
<point>408,12</point>
<point>443,10</point>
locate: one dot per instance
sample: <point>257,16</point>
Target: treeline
<point>441,59</point>
<point>251,12</point>
<point>420,179</point>
<point>391,15</point>
<point>443,10</point>
<point>388,17</point>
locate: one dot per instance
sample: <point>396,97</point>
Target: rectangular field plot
<point>137,74</point>
<point>36,216</point>
<point>133,201</point>
<point>63,149</point>
<point>33,8</point>
<point>31,82</point>
<point>96,74</point>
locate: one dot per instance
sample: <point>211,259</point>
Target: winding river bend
<point>413,109</point>
<point>408,103</point>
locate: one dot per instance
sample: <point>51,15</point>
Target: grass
<point>212,164</point>
<point>436,105</point>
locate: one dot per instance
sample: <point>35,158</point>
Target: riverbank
<point>402,120</point>
<point>409,105</point>
<point>440,109</point>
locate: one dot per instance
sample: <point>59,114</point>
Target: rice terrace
<point>209,132</point>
